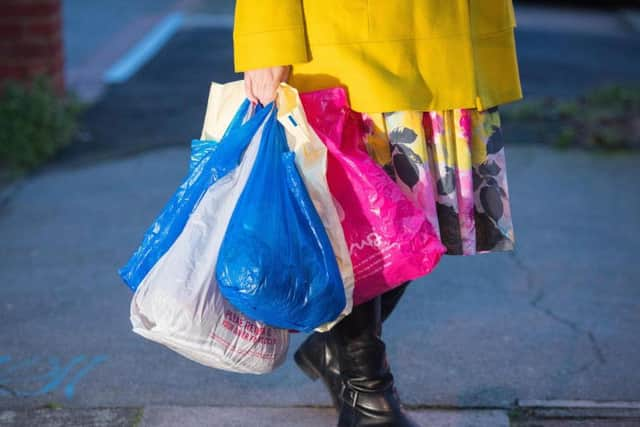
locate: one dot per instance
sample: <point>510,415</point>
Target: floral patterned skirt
<point>452,164</point>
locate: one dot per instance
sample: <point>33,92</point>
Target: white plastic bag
<point>178,303</point>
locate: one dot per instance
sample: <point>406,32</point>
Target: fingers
<point>286,73</point>
<point>266,91</point>
<point>261,85</point>
<point>248,89</point>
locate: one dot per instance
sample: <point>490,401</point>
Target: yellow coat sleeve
<point>267,33</point>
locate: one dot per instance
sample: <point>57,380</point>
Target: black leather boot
<point>318,358</point>
<point>389,300</point>
<point>368,396</point>
<point>317,355</point>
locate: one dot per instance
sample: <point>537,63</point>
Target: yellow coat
<point>390,55</point>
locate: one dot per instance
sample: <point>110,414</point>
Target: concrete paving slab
<point>90,417</point>
<point>610,422</point>
<point>579,404</point>
<point>167,416</point>
<point>576,410</point>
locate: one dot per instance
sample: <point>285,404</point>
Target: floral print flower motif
<point>495,143</point>
<point>489,168</point>
<point>447,182</point>
<point>437,123</point>
<point>465,125</point>
<point>454,168</point>
<point>492,201</point>
<point>402,135</point>
<point>491,195</point>
<point>488,236</point>
<point>428,128</point>
<point>406,163</point>
<point>450,233</point>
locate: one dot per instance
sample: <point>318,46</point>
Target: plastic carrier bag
<point>276,263</point>
<point>178,302</point>
<point>206,167</point>
<point>311,160</point>
<point>389,238</point>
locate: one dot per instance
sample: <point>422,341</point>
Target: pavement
<point>543,336</point>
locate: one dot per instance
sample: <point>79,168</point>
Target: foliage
<point>607,118</point>
<point>35,123</point>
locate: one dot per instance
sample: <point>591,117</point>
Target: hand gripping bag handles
<point>389,238</point>
<point>178,302</point>
<point>311,160</point>
<point>276,262</point>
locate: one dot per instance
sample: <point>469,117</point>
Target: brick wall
<point>31,40</point>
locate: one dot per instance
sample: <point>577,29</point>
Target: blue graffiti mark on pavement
<point>36,376</point>
<point>69,389</point>
<point>57,374</point>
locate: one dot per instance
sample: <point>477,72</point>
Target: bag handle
<point>291,115</point>
<point>227,109</point>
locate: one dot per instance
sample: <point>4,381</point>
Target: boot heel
<point>306,366</point>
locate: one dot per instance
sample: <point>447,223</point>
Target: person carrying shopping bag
<point>428,76</point>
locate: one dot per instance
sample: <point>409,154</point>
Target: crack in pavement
<point>535,302</point>
<point>582,368</point>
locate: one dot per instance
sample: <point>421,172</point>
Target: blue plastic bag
<point>276,263</point>
<point>210,161</point>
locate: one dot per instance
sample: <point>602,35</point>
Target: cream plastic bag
<point>311,161</point>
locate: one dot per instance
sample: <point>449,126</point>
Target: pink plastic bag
<point>390,240</point>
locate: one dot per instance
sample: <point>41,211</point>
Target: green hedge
<point>604,118</point>
<point>35,123</point>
